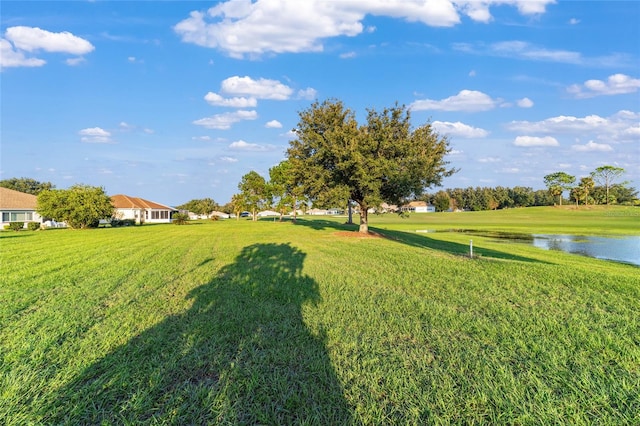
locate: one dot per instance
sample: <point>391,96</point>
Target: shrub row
<point>122,222</point>
<point>18,226</point>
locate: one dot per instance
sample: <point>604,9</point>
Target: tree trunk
<point>295,208</point>
<point>364,219</point>
<point>350,221</point>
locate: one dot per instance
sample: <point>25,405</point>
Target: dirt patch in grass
<point>356,234</point>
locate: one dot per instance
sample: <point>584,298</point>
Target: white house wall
<point>35,217</point>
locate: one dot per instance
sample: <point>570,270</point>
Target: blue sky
<point>172,101</point>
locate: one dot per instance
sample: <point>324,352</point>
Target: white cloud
<point>308,93</point>
<point>526,50</point>
<point>459,129</point>
<point>622,126</point>
<point>465,100</point>
<point>9,57</point>
<point>75,61</point>
<point>479,10</point>
<point>229,159</point>
<point>260,89</point>
<point>489,160</point>
<point>235,102</point>
<point>32,38</point>
<point>574,21</point>
<point>224,121</point>
<point>243,28</point>
<point>535,141</point>
<point>20,40</point>
<point>95,135</point>
<point>123,126</point>
<point>592,146</point>
<point>246,146</point>
<point>616,84</point>
<point>201,138</point>
<point>525,103</point>
<point>273,124</point>
<point>348,55</point>
<point>521,50</point>
<point>510,170</point>
<point>517,49</point>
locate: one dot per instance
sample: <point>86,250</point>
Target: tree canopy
<point>606,175</point>
<point>26,185</point>
<point>80,206</point>
<point>255,192</point>
<point>558,182</point>
<point>384,160</point>
<point>202,206</point>
<point>287,194</point>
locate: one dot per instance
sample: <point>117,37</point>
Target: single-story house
<point>16,206</point>
<point>141,210</point>
<point>196,216</point>
<point>418,207</point>
<point>267,213</point>
<point>317,212</point>
<point>221,215</point>
<point>324,212</point>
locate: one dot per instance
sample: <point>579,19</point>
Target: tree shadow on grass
<point>416,240</point>
<point>424,241</point>
<point>241,354</point>
<point>319,224</point>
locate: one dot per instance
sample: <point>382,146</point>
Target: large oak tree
<point>80,206</point>
<point>255,192</point>
<point>383,160</point>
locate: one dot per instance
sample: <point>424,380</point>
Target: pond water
<point>623,249</point>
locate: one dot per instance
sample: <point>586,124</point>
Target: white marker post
<point>471,249</point>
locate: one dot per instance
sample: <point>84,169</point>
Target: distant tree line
<point>488,198</point>
<point>597,188</point>
<point>26,185</point>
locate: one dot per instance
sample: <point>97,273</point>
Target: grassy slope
<point>240,322</point>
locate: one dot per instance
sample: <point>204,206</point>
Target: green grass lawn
<point>236,322</point>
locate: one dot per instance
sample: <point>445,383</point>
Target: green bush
<point>180,218</point>
<point>122,222</point>
<point>33,226</point>
<point>16,226</point>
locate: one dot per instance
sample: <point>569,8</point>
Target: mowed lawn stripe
<point>268,322</point>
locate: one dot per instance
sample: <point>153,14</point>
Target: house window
<point>160,214</point>
<point>17,216</point>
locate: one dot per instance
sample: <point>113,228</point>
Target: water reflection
<point>624,249</point>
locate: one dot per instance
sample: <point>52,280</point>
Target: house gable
<point>16,206</point>
<point>16,200</point>
<point>141,210</point>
